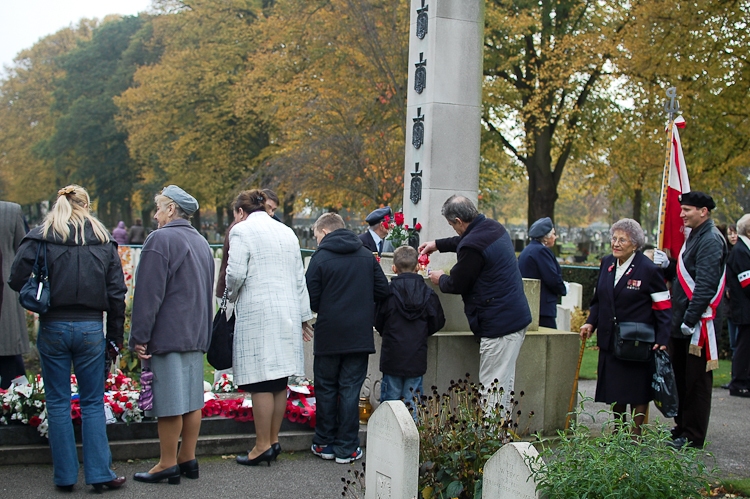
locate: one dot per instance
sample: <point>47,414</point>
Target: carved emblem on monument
<point>417,130</point>
<point>420,75</point>
<point>415,189</point>
<point>422,21</point>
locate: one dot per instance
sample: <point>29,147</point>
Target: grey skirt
<point>178,383</point>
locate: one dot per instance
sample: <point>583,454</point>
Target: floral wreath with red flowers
<point>399,233</point>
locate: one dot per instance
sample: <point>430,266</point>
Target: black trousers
<point>11,366</point>
<point>741,359</point>
<point>694,386</point>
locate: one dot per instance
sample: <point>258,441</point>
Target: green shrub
<point>458,433</point>
<point>615,464</point>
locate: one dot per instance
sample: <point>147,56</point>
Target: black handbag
<point>634,341</point>
<point>219,353</point>
<point>35,294</point>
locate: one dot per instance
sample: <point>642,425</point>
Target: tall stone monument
<point>444,107</point>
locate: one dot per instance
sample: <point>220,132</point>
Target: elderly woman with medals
<point>631,293</point>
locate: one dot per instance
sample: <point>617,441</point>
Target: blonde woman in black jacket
<point>86,280</point>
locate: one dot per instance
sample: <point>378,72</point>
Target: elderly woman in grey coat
<point>266,281</point>
<point>172,316</point>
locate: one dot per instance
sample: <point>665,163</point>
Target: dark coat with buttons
<point>536,261</point>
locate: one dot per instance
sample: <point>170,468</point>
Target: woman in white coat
<point>266,282</point>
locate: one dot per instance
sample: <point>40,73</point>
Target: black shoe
<point>740,392</point>
<point>678,443</point>
<point>675,432</point>
<point>171,474</point>
<point>267,457</point>
<point>725,386</point>
<point>276,450</point>
<point>189,468</point>
<point>115,483</point>
<point>64,488</point>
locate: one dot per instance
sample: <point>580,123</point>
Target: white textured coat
<point>266,281</point>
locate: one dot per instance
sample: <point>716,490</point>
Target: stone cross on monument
<point>443,111</point>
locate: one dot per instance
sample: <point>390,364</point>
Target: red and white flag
<point>678,183</point>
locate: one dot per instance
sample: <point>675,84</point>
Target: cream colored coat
<point>266,282</point>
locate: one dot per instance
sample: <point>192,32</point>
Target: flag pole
<point>672,107</point>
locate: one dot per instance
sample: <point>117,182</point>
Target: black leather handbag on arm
<point>634,341</point>
<point>219,353</point>
<point>35,294</point>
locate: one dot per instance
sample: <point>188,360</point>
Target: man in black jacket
<point>344,281</point>
<point>486,276</point>
<point>738,280</point>
<point>696,292</point>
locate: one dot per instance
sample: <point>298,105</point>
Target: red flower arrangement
<point>398,232</point>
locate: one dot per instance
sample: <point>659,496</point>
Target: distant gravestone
<point>392,470</point>
<point>506,475</point>
<point>574,297</point>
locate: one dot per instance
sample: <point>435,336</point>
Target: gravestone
<point>574,297</point>
<point>564,317</point>
<point>506,474</point>
<point>392,453</point>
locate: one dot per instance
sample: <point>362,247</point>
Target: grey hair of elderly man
<point>743,225</point>
<point>632,229</point>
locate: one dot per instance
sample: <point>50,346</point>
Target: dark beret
<point>377,216</point>
<point>540,228</point>
<point>698,199</point>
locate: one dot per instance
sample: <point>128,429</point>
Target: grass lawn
<point>591,356</point>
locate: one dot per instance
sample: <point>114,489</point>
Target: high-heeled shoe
<point>171,474</point>
<point>115,483</point>
<point>267,457</point>
<point>276,450</point>
<point>189,468</point>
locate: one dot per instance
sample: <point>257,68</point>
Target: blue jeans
<point>338,380</point>
<point>400,388</point>
<point>82,344</point>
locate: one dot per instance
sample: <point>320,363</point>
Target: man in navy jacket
<point>486,276</point>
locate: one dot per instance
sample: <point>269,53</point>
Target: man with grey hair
<point>486,276</point>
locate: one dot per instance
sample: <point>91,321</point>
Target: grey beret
<point>377,216</point>
<point>184,200</point>
<point>540,228</point>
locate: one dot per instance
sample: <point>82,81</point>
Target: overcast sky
<point>24,22</point>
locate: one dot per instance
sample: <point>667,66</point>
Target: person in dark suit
<point>374,238</point>
<point>537,261</point>
<point>631,288</point>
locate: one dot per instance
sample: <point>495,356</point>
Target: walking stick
<point>575,385</point>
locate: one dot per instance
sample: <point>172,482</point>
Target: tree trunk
<point>637,203</point>
<point>542,193</point>
<point>288,207</point>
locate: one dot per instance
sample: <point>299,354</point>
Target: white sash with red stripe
<point>705,335</point>
<point>744,277</point>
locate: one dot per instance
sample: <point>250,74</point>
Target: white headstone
<point>506,474</point>
<point>392,470</point>
<point>564,315</point>
<point>574,298</point>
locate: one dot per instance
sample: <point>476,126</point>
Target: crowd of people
<point>273,299</point>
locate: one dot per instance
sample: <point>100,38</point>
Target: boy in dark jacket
<point>344,281</point>
<point>405,319</point>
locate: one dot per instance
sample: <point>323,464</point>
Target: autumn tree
<point>87,146</point>
<point>545,62</point>
<point>330,76</point>
<point>181,113</point>
<point>27,118</point>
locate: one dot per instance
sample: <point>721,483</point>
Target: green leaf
<point>454,489</point>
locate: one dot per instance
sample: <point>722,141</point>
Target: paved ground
<point>304,476</point>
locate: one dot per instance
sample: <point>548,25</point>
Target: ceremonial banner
<point>673,234</point>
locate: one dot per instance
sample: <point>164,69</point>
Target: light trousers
<point>497,366</point>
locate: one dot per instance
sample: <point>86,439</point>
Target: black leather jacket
<point>705,256</point>
<point>85,279</point>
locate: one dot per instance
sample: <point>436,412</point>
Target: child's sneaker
<point>357,454</point>
<point>324,452</point>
